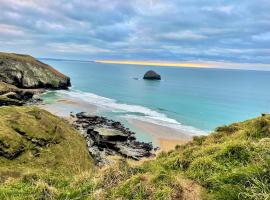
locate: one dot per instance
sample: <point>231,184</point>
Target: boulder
<point>25,71</point>
<point>151,75</point>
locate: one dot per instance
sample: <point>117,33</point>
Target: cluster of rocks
<point>106,137</point>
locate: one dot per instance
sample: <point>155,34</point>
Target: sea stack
<point>151,75</point>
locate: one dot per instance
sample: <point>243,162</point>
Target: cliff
<point>24,71</point>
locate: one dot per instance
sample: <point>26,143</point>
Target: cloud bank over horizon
<point>223,30</point>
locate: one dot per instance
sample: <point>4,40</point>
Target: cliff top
<point>25,71</point>
<point>29,59</point>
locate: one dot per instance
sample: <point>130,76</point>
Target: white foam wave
<point>145,114</point>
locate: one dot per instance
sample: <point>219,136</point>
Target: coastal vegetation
<point>43,157</point>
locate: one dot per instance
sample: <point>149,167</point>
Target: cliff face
<point>25,71</point>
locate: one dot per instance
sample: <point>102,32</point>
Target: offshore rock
<point>151,75</point>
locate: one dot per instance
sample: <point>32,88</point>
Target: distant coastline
<point>184,64</point>
<point>155,63</point>
<point>193,64</point>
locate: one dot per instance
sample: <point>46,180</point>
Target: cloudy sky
<point>219,30</point>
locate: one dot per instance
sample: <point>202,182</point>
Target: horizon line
<point>184,64</point>
<point>156,63</point>
<point>193,64</point>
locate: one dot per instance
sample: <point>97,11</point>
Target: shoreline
<point>63,107</point>
<point>165,138</point>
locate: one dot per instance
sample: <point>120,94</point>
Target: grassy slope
<point>53,152</point>
<point>6,88</point>
<point>29,59</point>
<point>231,163</point>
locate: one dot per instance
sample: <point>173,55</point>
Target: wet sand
<point>64,107</point>
<point>166,138</point>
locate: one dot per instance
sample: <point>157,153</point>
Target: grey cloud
<point>232,30</point>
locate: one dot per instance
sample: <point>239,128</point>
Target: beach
<point>164,137</point>
<point>186,101</point>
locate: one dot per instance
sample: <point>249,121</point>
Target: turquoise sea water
<point>185,98</point>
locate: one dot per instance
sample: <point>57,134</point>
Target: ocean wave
<point>131,111</point>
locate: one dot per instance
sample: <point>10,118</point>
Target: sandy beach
<point>63,107</point>
<point>164,137</point>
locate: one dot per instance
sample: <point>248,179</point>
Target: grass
<point>29,59</point>
<point>231,163</point>
<point>5,88</point>
<point>52,155</point>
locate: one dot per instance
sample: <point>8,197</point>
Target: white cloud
<point>223,9</point>
<point>262,37</point>
<point>229,30</point>
<point>182,35</point>
<point>76,48</point>
<point>10,30</point>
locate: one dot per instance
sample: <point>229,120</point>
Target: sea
<point>196,100</point>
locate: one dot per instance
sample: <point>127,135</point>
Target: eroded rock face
<point>11,95</point>
<point>151,75</point>
<point>107,137</point>
<point>25,71</point>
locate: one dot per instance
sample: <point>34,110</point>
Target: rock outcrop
<point>151,75</point>
<point>107,137</point>
<point>25,71</point>
<point>11,95</point>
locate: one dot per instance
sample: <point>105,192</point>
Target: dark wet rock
<point>151,75</point>
<point>107,137</point>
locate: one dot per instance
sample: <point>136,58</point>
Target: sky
<point>172,30</point>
